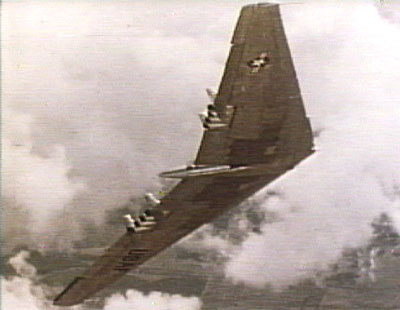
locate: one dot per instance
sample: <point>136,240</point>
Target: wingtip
<point>60,299</point>
<point>261,4</point>
<point>60,303</point>
<point>267,4</point>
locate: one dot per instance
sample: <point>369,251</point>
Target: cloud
<point>40,182</point>
<point>154,300</point>
<point>35,188</point>
<point>21,266</point>
<point>25,291</point>
<point>390,11</point>
<point>21,293</point>
<point>205,240</point>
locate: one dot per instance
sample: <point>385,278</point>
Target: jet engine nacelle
<point>146,219</point>
<point>213,125</point>
<point>151,199</point>
<point>211,107</point>
<point>211,119</point>
<point>129,223</point>
<point>133,225</point>
<point>213,114</point>
<point>211,94</point>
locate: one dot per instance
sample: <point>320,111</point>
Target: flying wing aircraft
<point>254,131</point>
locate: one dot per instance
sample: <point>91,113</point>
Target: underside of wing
<point>192,203</point>
<point>115,262</point>
<point>259,99</point>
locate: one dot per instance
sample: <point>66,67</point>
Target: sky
<point>99,97</point>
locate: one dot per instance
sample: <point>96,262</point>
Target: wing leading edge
<point>265,130</point>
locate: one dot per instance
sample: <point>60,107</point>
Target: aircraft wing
<point>262,105</point>
<point>265,124</point>
<point>193,202</point>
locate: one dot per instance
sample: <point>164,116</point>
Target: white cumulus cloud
<point>153,301</point>
<point>25,291</point>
